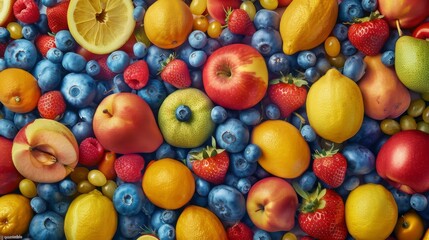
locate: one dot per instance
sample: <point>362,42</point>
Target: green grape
<point>96,178</point>
<point>423,126</point>
<point>15,30</point>
<point>85,186</point>
<point>332,46</point>
<point>390,126</point>
<point>27,188</point>
<point>407,122</point>
<point>337,61</point>
<point>416,107</point>
<point>269,4</point>
<point>109,188</point>
<point>425,114</point>
<point>79,174</point>
<point>250,8</point>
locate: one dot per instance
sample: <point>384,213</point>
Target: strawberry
<point>91,152</point>
<point>57,16</point>
<point>210,164</point>
<point>26,11</point>
<point>176,72</point>
<point>129,167</point>
<point>288,93</point>
<point>369,34</point>
<point>239,22</point>
<point>321,214</point>
<point>51,105</point>
<point>330,167</point>
<point>136,75</point>
<point>239,231</point>
<point>44,43</point>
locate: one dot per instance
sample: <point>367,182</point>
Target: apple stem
<point>107,112</point>
<point>398,26</point>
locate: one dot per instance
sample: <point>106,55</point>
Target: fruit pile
<point>214,119</point>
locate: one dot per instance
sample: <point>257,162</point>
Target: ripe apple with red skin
<point>271,204</point>
<point>217,8</point>
<point>235,76</point>
<point>9,176</point>
<point>409,12</point>
<point>403,161</point>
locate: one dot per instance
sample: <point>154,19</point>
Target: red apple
<point>271,204</point>
<point>409,12</point>
<point>124,123</point>
<point>284,3</point>
<point>9,177</point>
<point>403,161</point>
<point>235,76</point>
<point>217,8</point>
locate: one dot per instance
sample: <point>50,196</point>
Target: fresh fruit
<point>195,223</point>
<point>44,42</point>
<point>16,214</point>
<point>239,231</point>
<point>329,107</point>
<point>128,199</point>
<point>330,167</point>
<point>294,158</point>
<point>19,91</point>
<point>129,167</point>
<point>184,118</point>
<point>90,152</point>
<point>384,95</point>
<point>322,214</point>
<point>227,203</point>
<point>107,165</point>
<point>371,212</point>
<point>369,34</point>
<point>130,120</point>
<point>271,204</point>
<point>57,16</point>
<point>93,214</point>
<point>136,75</point>
<point>167,24</point>
<point>411,56</point>
<point>10,177</point>
<point>409,226</point>
<point>168,177</point>
<point>45,151</point>
<point>304,25</point>
<point>407,13</point>
<point>239,22</point>
<point>175,72</point>
<point>402,161</point>
<point>217,8</point>
<point>234,72</point>
<point>92,27</point>
<point>288,93</point>
<point>6,12</point>
<point>51,105</point>
<point>26,11</point>
<point>47,225</point>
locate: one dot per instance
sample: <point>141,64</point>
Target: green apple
<point>184,118</point>
<point>412,63</point>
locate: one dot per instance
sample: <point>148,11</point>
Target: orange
<point>168,183</point>
<point>15,214</point>
<point>167,23</point>
<point>410,226</point>
<point>198,223</point>
<point>285,153</point>
<point>6,12</point>
<point>100,26</point>
<point>19,91</point>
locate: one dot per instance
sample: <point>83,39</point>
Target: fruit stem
<point>398,26</point>
<point>107,112</point>
<point>17,99</point>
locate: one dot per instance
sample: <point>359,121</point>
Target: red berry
<point>129,167</point>
<point>57,16</point>
<point>288,93</point>
<point>240,231</point>
<point>176,72</point>
<point>44,43</point>
<point>91,152</point>
<point>51,105</point>
<point>239,22</point>
<point>105,72</point>
<point>26,11</point>
<point>136,75</point>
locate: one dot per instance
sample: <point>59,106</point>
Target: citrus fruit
<point>167,23</point>
<point>410,225</point>
<point>198,223</point>
<point>197,129</point>
<point>371,212</point>
<point>19,90</point>
<point>306,24</point>
<point>101,27</point>
<point>147,237</point>
<point>294,157</point>
<point>6,13</point>
<point>335,107</point>
<point>90,216</point>
<point>15,214</point>
<point>168,183</point>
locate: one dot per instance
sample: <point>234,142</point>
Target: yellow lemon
<point>335,107</point>
<point>293,158</point>
<point>167,23</point>
<point>90,216</point>
<point>371,212</point>
<point>6,14</point>
<point>101,26</point>
<point>15,214</point>
<point>168,183</point>
<point>307,23</point>
<point>198,223</point>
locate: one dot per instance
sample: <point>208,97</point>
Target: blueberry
<point>351,183</point>
<point>67,187</point>
<point>388,58</point>
<point>211,45</point>
<point>198,200</point>
<point>347,48</point>
<point>117,61</point>
<point>8,128</point>
<point>166,232</point>
<point>278,63</point>
<point>368,133</point>
<point>42,23</point>
<point>307,180</point>
<point>369,5</point>
<point>372,177</point>
<point>49,192</point>
<point>55,55</point>
<point>311,74</point>
<point>272,111</point>
<point>418,202</point>
<point>389,45</point>
<point>306,59</point>
<point>47,225</point>
<point>308,133</point>
<point>64,41</point>
<point>29,32</point>
<point>4,35</point>
<point>165,151</point>
<point>128,199</point>
<point>130,226</point>
<point>232,135</point>
<point>340,31</point>
<point>244,185</point>
<point>38,204</point>
<point>60,207</point>
<point>78,89</point>
<point>218,114</point>
<point>86,114</point>
<point>73,62</point>
<point>184,51</point>
<point>3,65</point>
<point>360,160</point>
<point>155,57</point>
<point>402,200</point>
<point>323,65</point>
<point>267,41</point>
<point>92,68</point>
<point>197,39</point>
<point>266,19</point>
<point>260,234</point>
<point>348,10</point>
<point>252,152</point>
<point>250,116</point>
<point>22,119</point>
<point>70,118</point>
<point>20,53</point>
<point>48,3</point>
<point>231,180</point>
<point>227,37</point>
<point>197,58</point>
<point>118,84</point>
<point>240,167</point>
<point>138,13</point>
<point>47,74</point>
<point>82,130</point>
<point>139,49</point>
<point>153,93</point>
<point>227,203</point>
<point>197,79</point>
<point>354,67</point>
<point>202,187</point>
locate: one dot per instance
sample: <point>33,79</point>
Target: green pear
<point>412,63</point>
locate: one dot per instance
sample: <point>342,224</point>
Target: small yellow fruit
<point>15,214</point>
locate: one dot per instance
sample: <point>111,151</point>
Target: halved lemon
<point>5,12</point>
<point>101,26</point>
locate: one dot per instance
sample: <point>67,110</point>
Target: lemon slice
<point>5,11</point>
<point>101,26</point>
